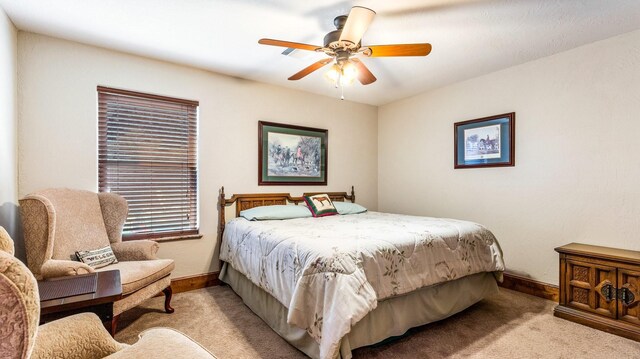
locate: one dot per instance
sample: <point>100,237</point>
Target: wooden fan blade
<point>400,50</point>
<point>309,69</point>
<point>293,45</point>
<point>364,75</point>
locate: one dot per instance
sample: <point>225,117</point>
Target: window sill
<point>177,238</point>
<point>168,238</point>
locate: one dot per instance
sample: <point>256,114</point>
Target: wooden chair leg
<point>114,325</point>
<point>168,292</point>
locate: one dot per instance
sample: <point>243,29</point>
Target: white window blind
<point>147,153</point>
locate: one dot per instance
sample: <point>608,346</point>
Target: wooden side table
<point>108,289</point>
<point>600,287</point>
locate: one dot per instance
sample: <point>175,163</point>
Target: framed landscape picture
<point>485,142</point>
<point>291,155</point>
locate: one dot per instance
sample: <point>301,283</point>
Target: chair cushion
<point>138,274</point>
<point>79,336</point>
<point>164,343</point>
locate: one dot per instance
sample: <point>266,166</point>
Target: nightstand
<point>600,288</point>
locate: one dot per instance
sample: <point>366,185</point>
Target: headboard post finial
<point>353,195</point>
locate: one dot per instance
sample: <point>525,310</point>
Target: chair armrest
<point>54,268</point>
<point>78,336</point>
<point>139,250</point>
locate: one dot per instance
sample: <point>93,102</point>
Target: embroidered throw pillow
<point>320,205</point>
<point>97,258</point>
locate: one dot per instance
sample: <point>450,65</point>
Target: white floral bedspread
<point>331,271</point>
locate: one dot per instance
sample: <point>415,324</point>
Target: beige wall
<point>8,129</point>
<point>58,129</point>
<point>576,127</point>
<point>577,165</point>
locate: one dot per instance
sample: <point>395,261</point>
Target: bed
<point>332,284</point>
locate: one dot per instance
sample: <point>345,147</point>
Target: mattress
<point>331,272</point>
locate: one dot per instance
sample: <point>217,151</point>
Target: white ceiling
<point>469,37</point>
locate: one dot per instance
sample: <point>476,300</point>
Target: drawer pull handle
<point>626,296</point>
<point>607,292</point>
<point>623,294</point>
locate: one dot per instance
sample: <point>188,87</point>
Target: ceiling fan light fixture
<point>333,75</point>
<point>349,73</point>
<point>357,23</point>
<point>342,74</point>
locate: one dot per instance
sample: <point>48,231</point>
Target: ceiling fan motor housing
<point>342,56</point>
<point>332,39</point>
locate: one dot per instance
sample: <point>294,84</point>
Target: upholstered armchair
<point>78,336</point>
<point>59,222</point>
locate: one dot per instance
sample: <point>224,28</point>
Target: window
<point>147,152</point>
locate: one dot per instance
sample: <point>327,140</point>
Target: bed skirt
<point>392,317</point>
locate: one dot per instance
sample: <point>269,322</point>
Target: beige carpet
<point>508,325</point>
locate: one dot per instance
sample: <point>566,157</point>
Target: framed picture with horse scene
<point>291,155</point>
<point>485,142</point>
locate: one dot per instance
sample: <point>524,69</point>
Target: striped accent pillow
<point>320,205</point>
<point>97,258</point>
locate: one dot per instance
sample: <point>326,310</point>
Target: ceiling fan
<point>343,46</point>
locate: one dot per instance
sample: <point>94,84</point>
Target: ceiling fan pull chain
<point>341,91</point>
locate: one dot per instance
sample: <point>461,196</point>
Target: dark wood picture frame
<point>471,151</point>
<point>296,166</point>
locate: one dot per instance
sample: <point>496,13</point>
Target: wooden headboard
<point>247,201</point>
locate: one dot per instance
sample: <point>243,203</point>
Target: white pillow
<point>349,208</point>
<point>275,212</point>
